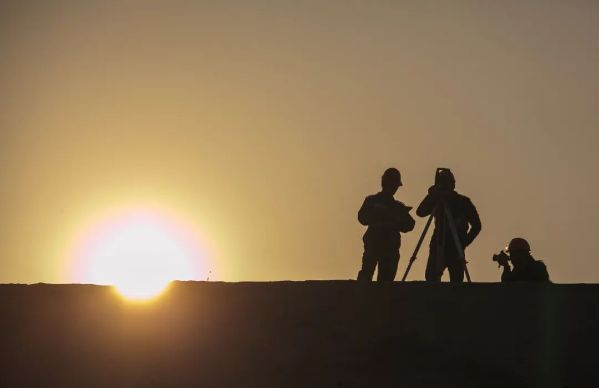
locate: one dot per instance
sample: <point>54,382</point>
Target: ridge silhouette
<point>302,334</point>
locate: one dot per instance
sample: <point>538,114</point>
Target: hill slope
<point>300,334</point>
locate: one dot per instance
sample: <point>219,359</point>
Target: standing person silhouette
<point>386,218</point>
<point>465,218</point>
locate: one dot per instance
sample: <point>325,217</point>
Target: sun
<point>139,252</point>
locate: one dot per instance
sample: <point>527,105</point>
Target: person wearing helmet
<point>525,267</point>
<point>386,218</point>
<point>467,224</point>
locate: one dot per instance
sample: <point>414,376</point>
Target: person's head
<point>391,180</point>
<point>519,251</point>
<point>445,179</point>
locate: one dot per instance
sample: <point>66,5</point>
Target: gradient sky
<point>266,123</point>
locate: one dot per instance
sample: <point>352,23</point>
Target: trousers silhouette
<point>450,260</point>
<point>385,259</point>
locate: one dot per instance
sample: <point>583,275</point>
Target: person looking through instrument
<point>456,218</point>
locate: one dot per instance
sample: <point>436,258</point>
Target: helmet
<point>518,244</point>
<point>392,175</point>
<point>445,178</point>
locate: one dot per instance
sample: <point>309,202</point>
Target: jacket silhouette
<point>531,271</point>
<point>443,252</point>
<point>386,218</point>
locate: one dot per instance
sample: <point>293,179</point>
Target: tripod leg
<point>456,240</point>
<point>420,240</point>
<point>440,258</point>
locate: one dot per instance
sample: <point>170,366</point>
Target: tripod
<point>447,219</point>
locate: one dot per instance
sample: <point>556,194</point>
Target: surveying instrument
<point>444,219</point>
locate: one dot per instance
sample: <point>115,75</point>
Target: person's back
<point>531,271</point>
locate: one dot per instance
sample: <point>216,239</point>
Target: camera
<point>501,258</point>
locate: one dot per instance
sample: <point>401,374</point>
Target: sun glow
<point>139,252</point>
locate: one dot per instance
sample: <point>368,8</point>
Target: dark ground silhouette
<point>302,334</point>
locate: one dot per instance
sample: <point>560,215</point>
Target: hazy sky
<point>267,123</point>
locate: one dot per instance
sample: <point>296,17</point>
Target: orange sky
<point>267,123</point>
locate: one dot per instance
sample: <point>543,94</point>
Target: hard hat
<point>445,177</point>
<point>392,174</point>
<point>518,244</point>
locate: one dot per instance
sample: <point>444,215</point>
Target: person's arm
<point>428,203</point>
<point>364,216</point>
<point>474,221</point>
<point>405,222</point>
<point>507,275</point>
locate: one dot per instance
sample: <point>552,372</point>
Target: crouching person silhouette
<point>386,218</point>
<point>524,267</point>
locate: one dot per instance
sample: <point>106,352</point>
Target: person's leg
<point>433,274</point>
<point>369,260</point>
<point>388,267</point>
<point>456,269</point>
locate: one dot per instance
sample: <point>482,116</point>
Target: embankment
<point>302,334</point>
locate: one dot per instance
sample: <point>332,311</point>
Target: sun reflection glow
<point>139,252</point>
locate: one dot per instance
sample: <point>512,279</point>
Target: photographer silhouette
<point>525,267</point>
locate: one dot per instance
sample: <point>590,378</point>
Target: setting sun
<point>139,252</point>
